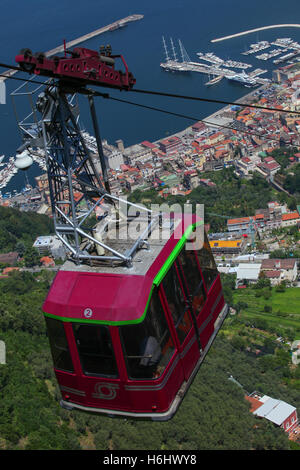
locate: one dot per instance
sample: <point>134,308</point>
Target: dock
<point>255,30</point>
<point>176,66</point>
<point>111,27</point>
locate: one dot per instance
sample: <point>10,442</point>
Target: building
<point>170,145</point>
<point>278,270</point>
<point>227,246</point>
<point>240,224</point>
<point>114,159</point>
<point>269,166</point>
<point>277,411</point>
<point>198,127</point>
<point>247,272</point>
<point>47,262</point>
<point>10,258</point>
<point>50,244</point>
<point>290,218</point>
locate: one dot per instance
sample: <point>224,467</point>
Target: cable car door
<point>180,312</point>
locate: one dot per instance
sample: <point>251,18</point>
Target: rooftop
<point>276,263</point>
<point>276,411</point>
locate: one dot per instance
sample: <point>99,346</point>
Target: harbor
<point>286,50</point>
<point>218,67</point>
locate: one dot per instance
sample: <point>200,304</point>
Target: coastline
<point>213,116</point>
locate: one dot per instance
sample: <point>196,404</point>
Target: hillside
<point>214,414</point>
<point>21,228</point>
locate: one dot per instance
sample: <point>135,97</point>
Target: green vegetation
<point>214,414</point>
<point>292,180</point>
<point>279,310</point>
<point>232,196</point>
<point>18,230</point>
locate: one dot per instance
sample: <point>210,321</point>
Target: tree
<point>31,257</point>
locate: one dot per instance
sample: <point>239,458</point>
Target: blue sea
<point>43,24</point>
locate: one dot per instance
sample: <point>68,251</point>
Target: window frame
<point>168,329</point>
<point>187,308</point>
<point>80,354</point>
<point>186,285</point>
<point>54,346</point>
<point>207,286</point>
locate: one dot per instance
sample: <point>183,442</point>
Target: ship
<point>242,78</point>
<point>236,64</point>
<point>216,79</point>
<point>210,57</point>
<point>259,46</point>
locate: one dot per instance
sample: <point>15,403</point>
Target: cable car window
<point>177,303</point>
<point>207,263</point>
<point>95,350</point>
<point>192,279</point>
<point>59,345</point>
<point>148,346</point>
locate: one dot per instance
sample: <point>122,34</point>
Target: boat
<point>242,78</point>
<point>210,57</point>
<point>214,80</point>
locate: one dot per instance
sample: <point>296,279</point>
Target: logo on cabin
<point>88,313</point>
<point>105,391</point>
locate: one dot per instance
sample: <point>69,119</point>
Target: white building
<point>278,270</point>
<point>51,244</point>
<point>247,272</point>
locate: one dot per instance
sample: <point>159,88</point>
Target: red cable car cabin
<point>129,341</point>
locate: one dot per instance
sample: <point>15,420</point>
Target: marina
<point>210,57</point>
<point>218,67</point>
<point>7,172</point>
<point>270,54</point>
<point>257,47</point>
<point>289,56</point>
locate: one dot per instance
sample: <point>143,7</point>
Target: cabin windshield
<point>95,350</point>
<point>59,345</point>
<point>148,346</point>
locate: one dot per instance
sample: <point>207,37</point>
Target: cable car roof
<point>122,294</point>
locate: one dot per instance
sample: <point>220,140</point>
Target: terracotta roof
<point>241,220</point>
<point>255,403</point>
<point>290,216</point>
<point>7,258</point>
<point>272,274</point>
<point>8,270</point>
<point>277,263</point>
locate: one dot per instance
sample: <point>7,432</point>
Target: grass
<point>285,306</point>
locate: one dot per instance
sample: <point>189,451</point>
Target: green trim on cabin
<point>156,282</point>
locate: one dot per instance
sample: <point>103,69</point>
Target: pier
<point>175,66</point>
<point>111,27</point>
<point>255,30</point>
